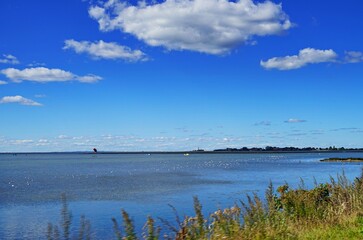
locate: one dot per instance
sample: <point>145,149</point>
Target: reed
<point>53,232</point>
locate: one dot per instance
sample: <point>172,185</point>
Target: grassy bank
<point>332,210</point>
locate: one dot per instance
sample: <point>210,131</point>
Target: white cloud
<point>9,59</point>
<point>105,50</point>
<point>295,120</point>
<point>63,137</point>
<point>43,75</point>
<point>353,57</point>
<point>20,100</point>
<point>90,78</point>
<point>21,141</point>
<point>305,56</point>
<point>3,82</point>
<point>36,64</point>
<point>208,26</point>
<point>43,142</point>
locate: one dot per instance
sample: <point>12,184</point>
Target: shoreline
<point>190,152</point>
<point>342,160</point>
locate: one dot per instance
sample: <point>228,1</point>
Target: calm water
<point>98,186</point>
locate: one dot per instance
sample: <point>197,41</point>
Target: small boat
<point>186,154</point>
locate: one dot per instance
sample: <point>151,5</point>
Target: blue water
<point>99,186</point>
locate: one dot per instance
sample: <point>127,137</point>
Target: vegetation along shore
<point>332,210</point>
<point>342,160</point>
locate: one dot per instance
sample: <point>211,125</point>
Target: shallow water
<point>98,186</point>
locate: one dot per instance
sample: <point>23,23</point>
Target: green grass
<point>351,228</point>
<point>331,210</point>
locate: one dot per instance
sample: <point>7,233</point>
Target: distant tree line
<point>286,149</point>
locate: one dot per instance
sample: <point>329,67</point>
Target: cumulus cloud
<point>207,26</point>
<point>20,100</point>
<point>3,82</point>
<point>353,57</point>
<point>294,120</point>
<point>9,59</point>
<point>306,56</point>
<point>43,75</point>
<point>105,50</point>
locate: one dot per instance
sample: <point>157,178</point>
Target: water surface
<point>98,186</point>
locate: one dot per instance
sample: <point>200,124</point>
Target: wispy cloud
<point>126,143</point>
<point>44,75</point>
<point>263,123</point>
<point>9,59</point>
<point>155,143</point>
<point>19,100</point>
<point>105,50</point>
<point>43,142</point>
<point>62,136</point>
<point>344,129</point>
<point>297,134</point>
<point>36,64</point>
<point>306,56</point>
<point>317,132</point>
<point>3,82</point>
<point>21,141</point>
<point>207,26</point>
<point>183,129</point>
<point>353,57</point>
<point>294,120</point>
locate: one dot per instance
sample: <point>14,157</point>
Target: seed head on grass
<point>199,217</point>
<point>129,226</point>
<point>116,229</point>
<point>174,231</point>
<point>152,232</point>
<point>85,229</point>
<point>66,219</point>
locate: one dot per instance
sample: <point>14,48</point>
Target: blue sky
<point>178,75</point>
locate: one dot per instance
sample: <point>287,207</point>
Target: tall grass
<point>63,230</point>
<point>331,210</point>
